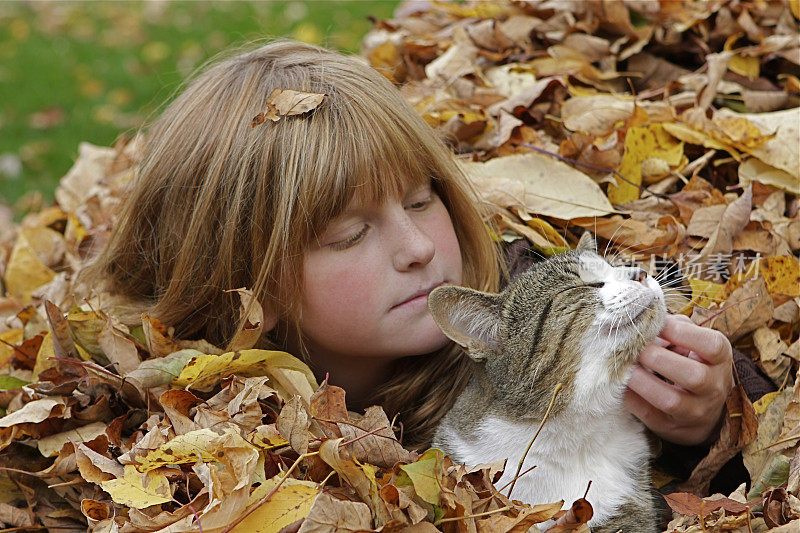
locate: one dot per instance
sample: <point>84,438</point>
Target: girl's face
<point>367,278</point>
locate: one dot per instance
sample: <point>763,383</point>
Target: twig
<point>541,425</point>
<point>501,489</point>
<point>477,515</point>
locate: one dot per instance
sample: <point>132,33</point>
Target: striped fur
<point>575,320</point>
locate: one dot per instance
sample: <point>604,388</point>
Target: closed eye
<point>596,284</point>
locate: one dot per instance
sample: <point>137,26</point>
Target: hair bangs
<point>350,160</point>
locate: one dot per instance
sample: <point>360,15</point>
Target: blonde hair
<point>219,204</point>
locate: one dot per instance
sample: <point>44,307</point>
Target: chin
<point>426,342</point>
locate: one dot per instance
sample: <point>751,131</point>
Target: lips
<point>419,293</point>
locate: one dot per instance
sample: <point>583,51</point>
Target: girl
<point>341,220</point>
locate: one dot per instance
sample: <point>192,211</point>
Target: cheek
<point>338,292</point>
<point>447,246</point>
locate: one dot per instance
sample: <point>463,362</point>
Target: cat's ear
<point>468,317</point>
<point>587,243</point>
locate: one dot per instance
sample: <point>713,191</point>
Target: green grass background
<point>88,71</point>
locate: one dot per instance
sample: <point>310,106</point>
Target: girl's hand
<point>697,361</point>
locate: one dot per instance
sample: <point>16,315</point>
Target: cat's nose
<point>637,274</point>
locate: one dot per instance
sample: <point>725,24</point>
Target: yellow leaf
<point>742,65</point>
<point>46,351</point>
<point>74,232</point>
<point>705,293</point>
<point>782,275</point>
<point>794,7</point>
<point>483,10</point>
<point>741,132</point>
<point>538,183</point>
<point>550,233</point>
<point>13,337</point>
<point>25,271</point>
<point>288,375</point>
<point>267,437</point>
<point>425,474</point>
<point>85,326</point>
<point>199,445</point>
<point>693,136</point>
<point>291,502</point>
<point>138,490</point>
<point>760,405</point>
<point>641,144</point>
<point>756,170</point>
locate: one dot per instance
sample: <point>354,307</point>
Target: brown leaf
<point>575,519</point>
<point>119,349</point>
<point>159,340</point>
<point>747,308</point>
<point>177,404</point>
<point>731,223</point>
<point>332,514</point>
<point>286,103</point>
<point>691,504</point>
<point>518,521</point>
<point>327,406</point>
<point>293,424</point>
<point>251,314</point>
<point>379,447</point>
<point>739,428</point>
<point>63,345</point>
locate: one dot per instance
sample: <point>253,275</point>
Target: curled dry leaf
<point>286,103</point>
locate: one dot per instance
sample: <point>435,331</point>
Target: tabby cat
<point>576,320</point>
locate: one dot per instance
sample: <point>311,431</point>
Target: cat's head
<point>572,319</point>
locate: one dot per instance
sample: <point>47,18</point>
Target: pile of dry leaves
<point>668,129</point>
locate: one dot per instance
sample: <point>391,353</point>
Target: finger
<point>645,411</point>
<point>687,373</point>
<point>712,346</point>
<point>661,395</point>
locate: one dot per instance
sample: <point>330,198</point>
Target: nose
<point>413,247</point>
<point>637,274</point>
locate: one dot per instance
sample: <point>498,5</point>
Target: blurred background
<point>90,71</point>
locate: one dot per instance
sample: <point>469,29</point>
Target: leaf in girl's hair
<point>285,103</point>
